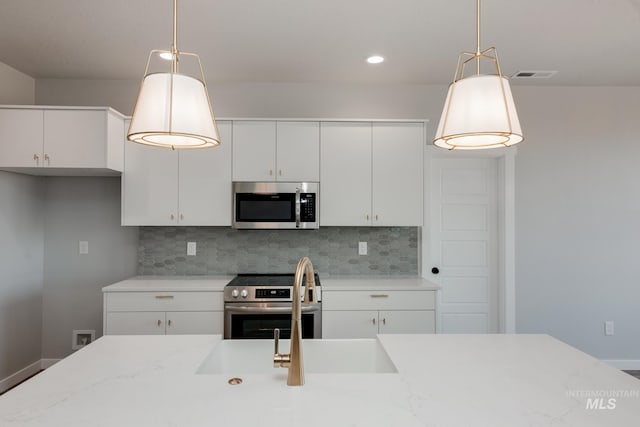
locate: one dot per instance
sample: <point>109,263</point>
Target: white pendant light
<point>479,111</point>
<point>173,109</point>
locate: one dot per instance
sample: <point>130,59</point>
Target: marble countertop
<point>217,283</point>
<point>170,284</point>
<point>442,380</point>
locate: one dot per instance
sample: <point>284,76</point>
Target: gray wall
<point>21,248</point>
<point>576,179</point>
<point>332,250</point>
<point>87,209</point>
<point>16,87</point>
<point>21,255</point>
<point>578,217</point>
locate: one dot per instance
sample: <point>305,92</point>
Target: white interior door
<point>464,242</point>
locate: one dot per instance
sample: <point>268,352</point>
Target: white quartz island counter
<point>442,380</point>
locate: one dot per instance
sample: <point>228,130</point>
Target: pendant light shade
<point>173,109</point>
<point>479,111</point>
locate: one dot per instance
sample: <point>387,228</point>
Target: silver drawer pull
<point>164,296</point>
<point>379,296</point>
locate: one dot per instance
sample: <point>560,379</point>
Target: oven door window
<point>279,207</point>
<point>256,326</point>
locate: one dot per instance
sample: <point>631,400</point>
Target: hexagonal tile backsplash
<point>333,250</point>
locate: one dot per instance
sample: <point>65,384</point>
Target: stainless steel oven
<point>256,304</point>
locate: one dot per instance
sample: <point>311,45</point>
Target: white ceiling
<point>589,42</point>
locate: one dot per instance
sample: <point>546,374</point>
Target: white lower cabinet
<point>363,314</point>
<point>160,313</point>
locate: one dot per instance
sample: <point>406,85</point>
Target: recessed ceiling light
<point>375,59</point>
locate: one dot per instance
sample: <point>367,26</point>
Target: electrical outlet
<point>362,248</point>
<point>191,248</point>
<point>609,327</point>
<point>83,247</point>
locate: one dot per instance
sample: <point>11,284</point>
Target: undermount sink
<point>335,356</point>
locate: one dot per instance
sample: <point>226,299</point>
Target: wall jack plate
<point>609,327</point>
<point>191,248</point>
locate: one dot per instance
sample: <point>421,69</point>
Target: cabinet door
<point>135,323</point>
<point>205,183</point>
<point>195,322</point>
<point>75,138</point>
<point>254,150</point>
<point>345,174</point>
<point>349,324</point>
<point>21,137</point>
<point>149,185</point>
<point>298,151</point>
<point>397,174</point>
<point>407,322</point>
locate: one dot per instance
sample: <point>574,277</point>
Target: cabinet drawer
<point>163,301</point>
<point>378,300</point>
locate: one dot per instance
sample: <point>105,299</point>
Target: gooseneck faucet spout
<point>294,360</point>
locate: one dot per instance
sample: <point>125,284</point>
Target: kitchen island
<point>442,380</point>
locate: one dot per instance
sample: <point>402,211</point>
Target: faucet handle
<point>279,360</point>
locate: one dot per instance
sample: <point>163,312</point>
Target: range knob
<point>235,293</point>
<point>244,293</point>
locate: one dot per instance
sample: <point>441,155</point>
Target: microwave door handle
<point>298,207</point>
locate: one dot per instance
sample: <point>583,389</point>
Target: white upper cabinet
<point>21,137</point>
<point>298,151</point>
<point>371,174</point>
<point>345,173</point>
<point>397,174</point>
<point>275,151</point>
<point>149,185</point>
<point>33,140</point>
<point>188,187</point>
<point>204,197</point>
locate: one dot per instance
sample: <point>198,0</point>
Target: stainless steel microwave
<point>273,205</point>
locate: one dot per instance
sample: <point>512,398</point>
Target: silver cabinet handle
<point>164,296</point>
<point>376,217</point>
<point>373,320</point>
<point>384,321</point>
<point>367,217</point>
<point>48,159</point>
<point>159,322</point>
<point>172,216</point>
<point>181,217</point>
<point>270,172</point>
<point>169,323</point>
<point>37,159</point>
<point>280,172</point>
<point>379,295</point>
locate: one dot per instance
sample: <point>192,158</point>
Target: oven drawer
<point>163,301</point>
<point>378,300</point>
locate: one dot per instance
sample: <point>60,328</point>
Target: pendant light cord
<point>478,37</point>
<point>174,45</point>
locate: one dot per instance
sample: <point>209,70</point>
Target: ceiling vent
<point>533,74</point>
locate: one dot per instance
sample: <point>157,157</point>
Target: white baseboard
<point>20,376</point>
<point>625,365</point>
<point>25,373</point>
<point>47,363</point>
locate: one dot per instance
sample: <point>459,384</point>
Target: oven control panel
<point>264,293</point>
<point>273,293</point>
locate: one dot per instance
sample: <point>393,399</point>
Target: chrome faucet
<point>294,360</point>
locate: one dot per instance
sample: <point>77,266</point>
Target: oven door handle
<point>305,308</point>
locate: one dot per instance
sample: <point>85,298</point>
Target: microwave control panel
<point>308,207</point>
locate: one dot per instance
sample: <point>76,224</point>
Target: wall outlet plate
<point>609,327</point>
<point>362,248</point>
<point>191,248</point>
<point>83,247</point>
